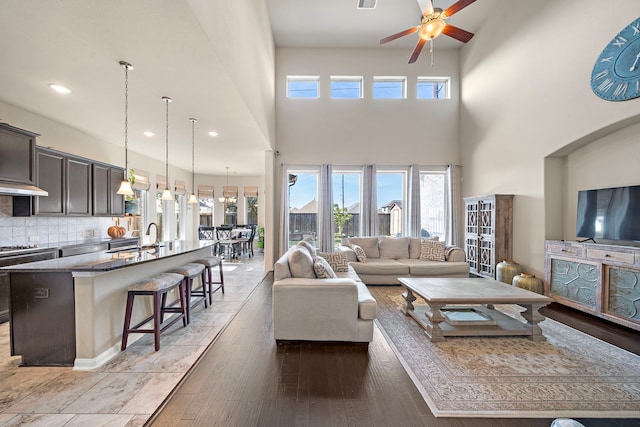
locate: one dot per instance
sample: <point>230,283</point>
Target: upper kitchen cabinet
<point>78,186</point>
<point>106,181</point>
<point>17,147</point>
<point>50,171</point>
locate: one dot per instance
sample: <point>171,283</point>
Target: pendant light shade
<point>193,199</point>
<point>166,194</point>
<point>125,186</point>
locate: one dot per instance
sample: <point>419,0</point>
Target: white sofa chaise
<point>312,309</point>
<point>389,258</point>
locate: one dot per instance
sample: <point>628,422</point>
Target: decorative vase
<point>507,270</point>
<point>529,282</point>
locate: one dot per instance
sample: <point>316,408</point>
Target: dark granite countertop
<point>111,259</point>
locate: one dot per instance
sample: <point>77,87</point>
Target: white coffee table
<point>464,307</point>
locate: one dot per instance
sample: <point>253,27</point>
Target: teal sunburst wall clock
<point>616,73</point>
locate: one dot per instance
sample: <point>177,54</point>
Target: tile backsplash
<point>47,230</point>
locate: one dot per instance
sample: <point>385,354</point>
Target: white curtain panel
<point>369,209</point>
<point>454,205</point>
<point>283,241</point>
<point>414,201</point>
<point>325,209</point>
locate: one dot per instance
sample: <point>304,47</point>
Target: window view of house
<point>390,191</point>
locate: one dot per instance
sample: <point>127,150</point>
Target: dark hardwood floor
<point>245,379</point>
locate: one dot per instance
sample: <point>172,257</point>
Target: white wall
<point>526,96</point>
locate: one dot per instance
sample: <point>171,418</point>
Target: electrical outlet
<point>33,239</point>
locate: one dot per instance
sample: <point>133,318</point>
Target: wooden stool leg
<point>188,283</point>
<point>183,304</point>
<point>221,277</point>
<point>157,310</point>
<point>203,278</point>
<point>127,321</point>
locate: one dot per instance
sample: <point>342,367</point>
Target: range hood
<point>14,189</point>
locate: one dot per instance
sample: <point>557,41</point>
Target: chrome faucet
<point>157,242</point>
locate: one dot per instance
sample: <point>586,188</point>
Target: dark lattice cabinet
<point>488,232</point>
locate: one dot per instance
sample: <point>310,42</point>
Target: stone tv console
<point>603,280</point>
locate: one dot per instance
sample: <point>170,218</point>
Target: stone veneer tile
<point>119,387</point>
<point>39,420</point>
<point>151,396</point>
<point>99,420</point>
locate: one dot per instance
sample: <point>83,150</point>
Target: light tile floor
<point>129,388</point>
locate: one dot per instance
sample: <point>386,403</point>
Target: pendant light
<point>227,199</point>
<point>125,186</point>
<point>193,199</point>
<point>166,194</point>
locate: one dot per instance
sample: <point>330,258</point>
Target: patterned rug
<point>569,375</point>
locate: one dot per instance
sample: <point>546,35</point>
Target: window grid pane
<point>346,205</point>
<point>300,87</point>
<point>433,88</point>
<point>390,194</point>
<point>346,88</point>
<point>388,88</point>
<point>432,205</point>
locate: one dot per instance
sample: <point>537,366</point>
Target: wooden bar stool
<point>189,272</point>
<point>156,286</point>
<point>209,263</point>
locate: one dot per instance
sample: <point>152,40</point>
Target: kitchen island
<point>70,311</point>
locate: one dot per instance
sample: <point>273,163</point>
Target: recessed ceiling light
<point>59,89</point>
<point>213,133</point>
<point>148,133</point>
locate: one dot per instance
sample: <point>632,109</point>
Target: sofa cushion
<point>301,263</point>
<point>435,268</point>
<point>349,274</point>
<point>308,246</point>
<point>369,244</point>
<point>281,268</point>
<point>393,247</point>
<point>367,305</point>
<point>432,251</point>
<point>322,268</point>
<point>415,245</point>
<point>360,253</point>
<point>337,260</point>
<point>381,267</point>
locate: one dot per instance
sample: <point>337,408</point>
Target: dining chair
<point>226,243</point>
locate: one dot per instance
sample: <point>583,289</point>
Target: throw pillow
<point>414,245</point>
<point>308,246</point>
<point>432,251</point>
<point>362,257</point>
<point>337,261</point>
<point>394,247</point>
<point>301,264</point>
<point>322,268</point>
<point>368,244</point>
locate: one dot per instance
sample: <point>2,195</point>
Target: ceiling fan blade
<point>400,34</point>
<point>426,7</point>
<point>457,33</point>
<point>456,7</point>
<point>417,50</point>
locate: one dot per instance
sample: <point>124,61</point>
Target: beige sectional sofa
<point>306,308</point>
<point>388,258</point>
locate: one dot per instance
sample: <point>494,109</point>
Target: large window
<point>390,192</point>
<point>160,208</point>
<point>389,88</point>
<point>303,86</point>
<point>205,205</point>
<point>432,204</point>
<point>346,203</point>
<point>433,88</point>
<point>303,205</point>
<point>180,216</point>
<point>346,87</point>
<point>251,203</point>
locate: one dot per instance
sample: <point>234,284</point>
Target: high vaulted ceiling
<point>78,43</point>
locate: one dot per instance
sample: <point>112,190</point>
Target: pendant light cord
<point>126,121</point>
<point>193,155</point>
<point>167,100</point>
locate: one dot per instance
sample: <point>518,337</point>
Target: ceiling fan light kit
<point>432,24</point>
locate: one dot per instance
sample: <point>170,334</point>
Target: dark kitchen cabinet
<point>78,186</point>
<point>50,168</point>
<point>106,182</point>
<point>17,150</point>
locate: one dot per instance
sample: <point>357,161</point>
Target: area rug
<point>569,375</point>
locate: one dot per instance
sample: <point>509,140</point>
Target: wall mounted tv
<point>609,213</point>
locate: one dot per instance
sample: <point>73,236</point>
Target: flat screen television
<point>609,213</point>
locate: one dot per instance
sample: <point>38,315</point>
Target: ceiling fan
<point>432,24</point>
